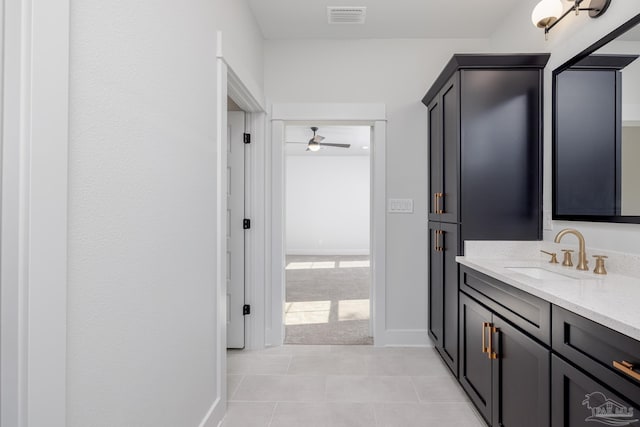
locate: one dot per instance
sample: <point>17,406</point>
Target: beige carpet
<point>327,300</point>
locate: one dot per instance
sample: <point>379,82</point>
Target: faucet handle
<point>567,262</point>
<point>554,257</point>
<point>600,264</point>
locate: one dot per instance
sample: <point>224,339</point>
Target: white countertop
<point>612,300</point>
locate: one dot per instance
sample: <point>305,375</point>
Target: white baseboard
<point>404,338</point>
<point>214,415</point>
<point>336,252</point>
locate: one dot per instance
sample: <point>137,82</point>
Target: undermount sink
<point>540,273</point>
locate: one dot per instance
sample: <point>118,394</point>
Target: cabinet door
<point>435,158</point>
<point>444,136</point>
<point>475,364</point>
<point>449,247</point>
<point>520,378</point>
<point>450,142</point>
<point>579,400</point>
<point>436,285</point>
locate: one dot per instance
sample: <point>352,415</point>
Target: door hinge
<point>247,138</point>
<point>246,223</point>
<point>246,309</point>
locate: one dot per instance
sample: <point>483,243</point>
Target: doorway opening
<point>328,229</point>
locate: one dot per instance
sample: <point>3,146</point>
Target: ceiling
<point>357,136</point>
<point>307,19</point>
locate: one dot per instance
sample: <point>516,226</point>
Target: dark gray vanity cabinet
<point>485,117</point>
<point>528,363</point>
<point>504,371</point>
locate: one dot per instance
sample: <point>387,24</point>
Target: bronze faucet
<point>582,255</point>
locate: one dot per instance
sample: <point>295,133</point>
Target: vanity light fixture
<point>548,13</point>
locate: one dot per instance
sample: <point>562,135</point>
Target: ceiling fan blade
<point>317,138</point>
<point>326,144</point>
<point>296,142</point>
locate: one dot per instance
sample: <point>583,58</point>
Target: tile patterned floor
<point>344,386</point>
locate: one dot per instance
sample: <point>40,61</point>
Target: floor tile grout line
<point>375,415</point>
<point>273,413</point>
<point>289,364</point>
<point>237,386</point>
<point>415,389</point>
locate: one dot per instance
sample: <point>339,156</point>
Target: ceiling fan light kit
<point>315,143</point>
<point>548,13</point>
<point>313,146</point>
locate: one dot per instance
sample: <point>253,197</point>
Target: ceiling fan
<point>315,142</point>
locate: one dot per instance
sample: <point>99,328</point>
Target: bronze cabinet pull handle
<point>485,325</point>
<point>626,368</point>
<point>437,197</point>
<point>437,246</point>
<point>492,354</point>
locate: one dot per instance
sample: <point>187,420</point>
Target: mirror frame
<point>579,57</point>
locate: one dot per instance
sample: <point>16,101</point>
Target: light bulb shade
<point>313,146</point>
<point>546,13</point>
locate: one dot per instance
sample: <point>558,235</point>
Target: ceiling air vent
<point>346,15</point>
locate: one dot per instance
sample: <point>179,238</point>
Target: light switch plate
<point>400,206</point>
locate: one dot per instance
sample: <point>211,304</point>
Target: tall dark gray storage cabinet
<point>485,170</point>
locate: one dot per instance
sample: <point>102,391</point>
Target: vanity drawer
<point>528,312</point>
<point>595,348</point>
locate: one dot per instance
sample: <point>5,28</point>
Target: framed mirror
<point>596,131</point>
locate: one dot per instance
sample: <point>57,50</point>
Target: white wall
<point>571,36</point>
<point>327,206</point>
<point>630,170</point>
<point>630,83</point>
<point>396,73</point>
<point>142,209</point>
<point>630,78</point>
